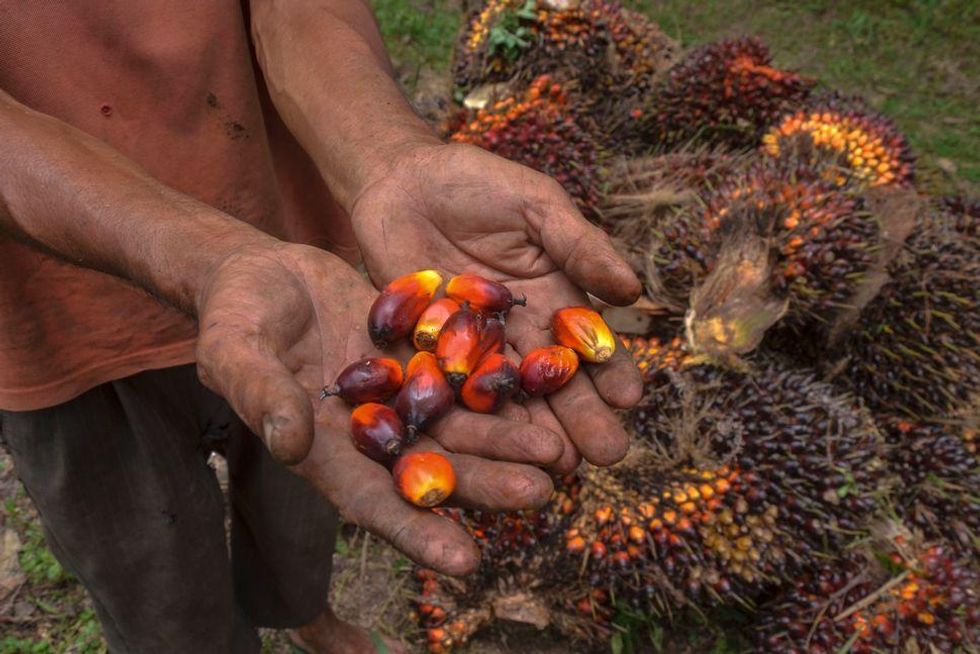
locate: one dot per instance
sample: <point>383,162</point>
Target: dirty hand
<point>457,208</point>
<point>277,323</point>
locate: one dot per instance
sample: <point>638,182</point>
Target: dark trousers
<point>130,506</point>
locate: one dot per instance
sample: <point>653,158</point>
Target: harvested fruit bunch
<point>461,341</point>
<point>653,354</point>
<point>522,578</point>
<point>916,348</point>
<point>938,481</point>
<point>599,43</point>
<point>801,457</point>
<point>723,92</point>
<point>927,602</point>
<point>536,128</point>
<point>845,139</point>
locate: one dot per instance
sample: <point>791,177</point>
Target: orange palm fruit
<point>377,431</point>
<point>493,338</point>
<point>431,321</point>
<point>458,349</point>
<point>367,380</point>
<point>482,293</point>
<point>425,395</point>
<point>424,478</point>
<point>493,382</point>
<point>546,369</point>
<point>395,312</point>
<point>584,330</point>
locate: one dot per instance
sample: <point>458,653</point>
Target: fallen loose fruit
<point>396,311</point>
<point>546,369</point>
<point>367,380</point>
<point>425,395</point>
<point>424,478</point>
<point>431,321</point>
<point>494,381</point>
<point>458,349</point>
<point>377,431</point>
<point>584,330</point>
<point>482,294</point>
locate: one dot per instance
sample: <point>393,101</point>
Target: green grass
<point>917,61</point>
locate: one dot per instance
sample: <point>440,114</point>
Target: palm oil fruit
<point>396,311</point>
<point>584,330</point>
<point>424,478</point>
<point>425,395</point>
<point>458,350</point>
<point>493,338</point>
<point>482,294</point>
<point>494,381</point>
<point>431,321</point>
<point>377,431</point>
<point>367,380</point>
<point>546,369</point>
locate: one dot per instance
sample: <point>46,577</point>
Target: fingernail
<point>268,429</point>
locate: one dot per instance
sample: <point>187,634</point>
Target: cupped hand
<point>277,323</point>
<point>457,208</point>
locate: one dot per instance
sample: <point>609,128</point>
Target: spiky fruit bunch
<point>521,578</point>
<point>654,354</point>
<point>938,481</point>
<point>845,139</point>
<point>923,603</point>
<point>916,349</point>
<point>595,41</point>
<point>726,91</point>
<point>537,128</point>
<point>735,479</point>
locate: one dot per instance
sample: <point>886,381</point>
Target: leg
<point>130,507</point>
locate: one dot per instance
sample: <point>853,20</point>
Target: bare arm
<point>75,196</point>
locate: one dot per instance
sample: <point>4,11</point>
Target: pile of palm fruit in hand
<point>460,341</point>
<point>806,450</point>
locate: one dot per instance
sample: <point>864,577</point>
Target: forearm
<point>330,79</point>
<point>75,196</point>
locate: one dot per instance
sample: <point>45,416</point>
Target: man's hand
<point>277,323</point>
<point>457,208</point>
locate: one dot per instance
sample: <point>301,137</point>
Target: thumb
<point>583,251</point>
<point>260,389</point>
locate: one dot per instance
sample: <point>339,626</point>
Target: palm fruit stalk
<point>915,350</point>
<point>846,141</point>
<point>724,92</point>
<point>537,128</point>
<point>898,601</point>
<point>615,55</point>
<point>937,489</point>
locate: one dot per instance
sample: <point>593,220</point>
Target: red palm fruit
<point>431,321</point>
<point>458,349</point>
<point>493,382</point>
<point>425,395</point>
<point>395,312</point>
<point>377,431</point>
<point>424,478</point>
<point>367,380</point>
<point>546,369</point>
<point>584,330</point>
<point>493,338</point>
<point>482,294</point>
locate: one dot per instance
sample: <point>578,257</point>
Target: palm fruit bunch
<point>600,44</point>
<point>538,129</point>
<point>520,578</point>
<point>938,481</point>
<point>736,478</point>
<point>915,350</point>
<point>846,140</point>
<point>909,599</point>
<point>726,91</point>
<point>460,341</point>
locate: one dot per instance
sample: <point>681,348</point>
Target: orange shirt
<point>172,86</point>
